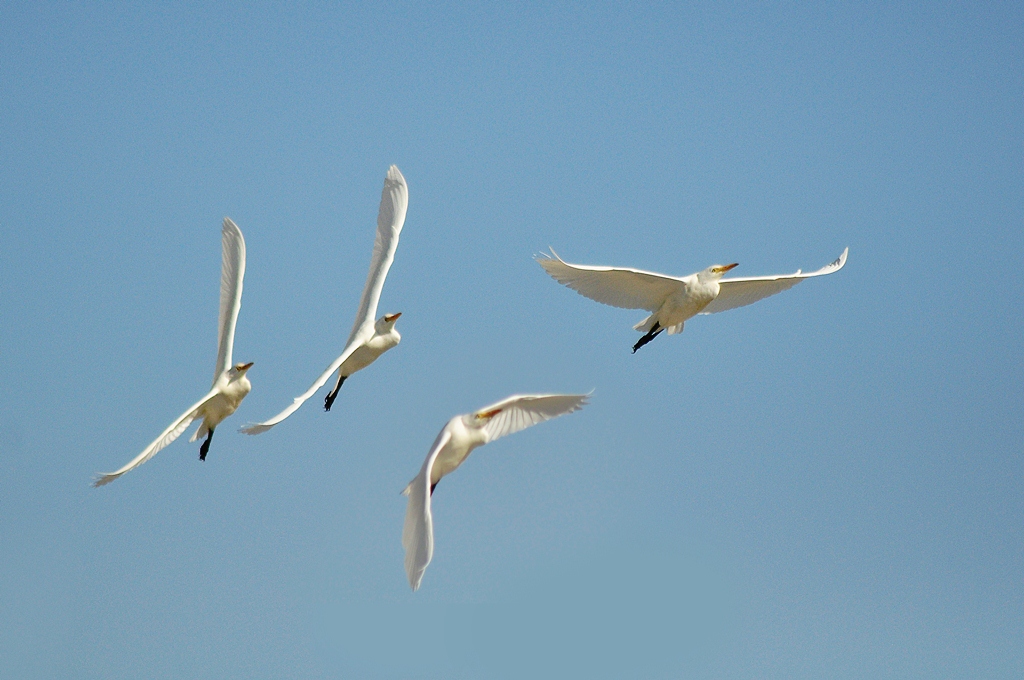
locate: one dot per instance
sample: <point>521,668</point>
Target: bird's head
<point>386,322</point>
<point>715,272</point>
<point>238,370</point>
<point>480,418</point>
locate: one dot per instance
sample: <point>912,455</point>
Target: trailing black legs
<point>206,445</point>
<point>651,334</point>
<point>333,394</point>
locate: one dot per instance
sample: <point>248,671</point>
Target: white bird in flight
<point>368,339</point>
<point>229,382</point>
<point>672,300</point>
<point>457,439</point>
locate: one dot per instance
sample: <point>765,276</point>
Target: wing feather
<point>615,286</point>
<point>740,292</point>
<point>521,411</point>
<point>394,202</point>
<point>231,273</point>
<point>353,345</point>
<point>418,532</point>
<point>172,432</point>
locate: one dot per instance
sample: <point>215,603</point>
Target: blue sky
<point>826,484</point>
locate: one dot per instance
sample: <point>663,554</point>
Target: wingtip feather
<point>838,263</point>
<point>228,225</point>
<point>550,256</point>
<point>254,428</point>
<point>394,175</point>
<point>103,479</point>
<point>583,400</point>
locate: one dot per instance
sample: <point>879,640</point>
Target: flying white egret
<point>457,439</point>
<point>672,300</point>
<point>368,339</point>
<point>229,382</point>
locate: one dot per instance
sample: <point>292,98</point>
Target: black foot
<point>205,448</point>
<point>651,334</point>
<point>432,487</point>
<point>333,394</point>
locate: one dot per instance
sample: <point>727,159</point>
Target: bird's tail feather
<point>647,324</point>
<point>200,432</point>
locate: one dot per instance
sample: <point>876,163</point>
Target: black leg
<point>333,394</point>
<point>206,445</point>
<point>651,334</point>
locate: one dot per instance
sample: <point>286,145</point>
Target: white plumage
<point>368,339</point>
<point>230,384</point>
<point>456,440</point>
<point>672,300</point>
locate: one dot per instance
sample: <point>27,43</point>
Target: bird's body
<point>231,390</point>
<point>230,384</point>
<point>453,445</point>
<point>686,301</point>
<point>369,339</point>
<point>364,355</point>
<point>672,300</point>
<point>463,436</point>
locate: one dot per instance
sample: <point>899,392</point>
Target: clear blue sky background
<point>826,484</point>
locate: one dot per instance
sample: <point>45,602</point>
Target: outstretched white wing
<point>353,344</point>
<point>418,532</point>
<point>394,201</point>
<point>735,293</point>
<point>521,411</point>
<point>232,270</point>
<point>173,431</point>
<point>615,286</point>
